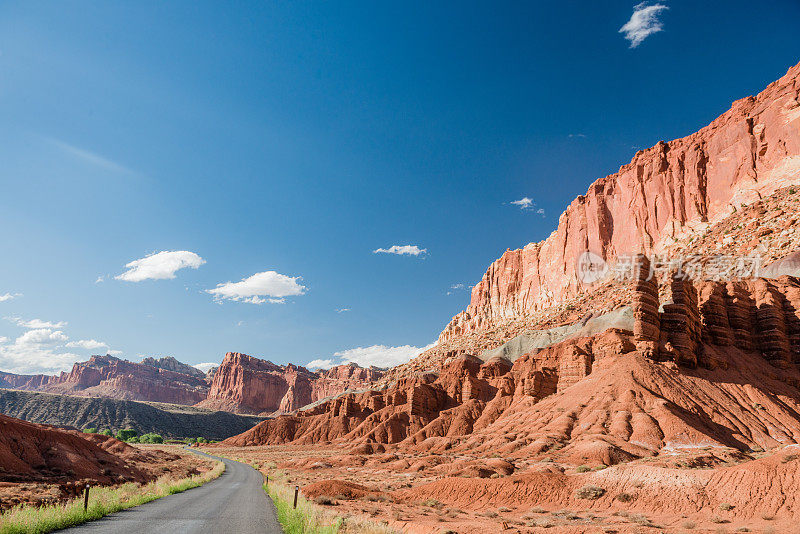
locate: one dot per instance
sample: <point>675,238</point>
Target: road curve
<point>234,503</point>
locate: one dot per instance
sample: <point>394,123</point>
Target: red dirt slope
<point>31,452</point>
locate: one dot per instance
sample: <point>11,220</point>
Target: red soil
<point>43,463</point>
<point>340,489</point>
<point>39,453</point>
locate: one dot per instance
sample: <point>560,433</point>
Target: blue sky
<point>291,140</point>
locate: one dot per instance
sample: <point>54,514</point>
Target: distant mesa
<point>244,384</point>
<point>241,384</point>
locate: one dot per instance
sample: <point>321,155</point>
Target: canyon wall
<point>702,365</point>
<point>162,380</point>
<point>245,384</point>
<point>241,384</point>
<point>666,193</point>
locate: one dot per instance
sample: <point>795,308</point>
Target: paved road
<point>234,503</point>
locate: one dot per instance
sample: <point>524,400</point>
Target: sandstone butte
<point>241,383</point>
<point>689,364</point>
<point>245,384</point>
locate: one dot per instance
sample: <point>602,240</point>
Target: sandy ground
<point>412,492</point>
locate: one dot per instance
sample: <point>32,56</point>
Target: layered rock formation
<point>665,194</point>
<point>163,380</point>
<point>245,384</point>
<point>610,397</point>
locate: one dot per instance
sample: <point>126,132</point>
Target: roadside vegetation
<point>129,435</point>
<point>102,501</point>
<point>310,517</point>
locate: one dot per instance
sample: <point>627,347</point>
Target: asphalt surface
<point>234,503</point>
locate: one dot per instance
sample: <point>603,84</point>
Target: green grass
<point>309,518</point>
<point>306,519</point>
<point>27,519</point>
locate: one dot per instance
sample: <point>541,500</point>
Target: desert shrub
<point>504,509</point>
<point>717,519</point>
<point>625,497</point>
<point>431,503</point>
<point>600,467</point>
<point>582,469</point>
<point>590,492</point>
<point>689,525</point>
<point>538,510</point>
<point>324,500</point>
<point>490,514</point>
<point>725,507</point>
<point>767,517</point>
<point>640,519</point>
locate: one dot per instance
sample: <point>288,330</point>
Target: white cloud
<point>377,355</point>
<point>320,364</point>
<point>274,286</point>
<point>400,250</point>
<point>113,352</point>
<point>36,323</point>
<point>88,344</point>
<point>35,360</point>
<point>90,157</point>
<point>42,348</point>
<point>41,337</point>
<point>456,287</point>
<point>160,266</point>
<point>525,203</point>
<point>578,135</point>
<point>643,23</point>
<point>100,279</point>
<point>342,310</point>
<point>9,296</point>
<point>205,366</point>
<point>36,351</point>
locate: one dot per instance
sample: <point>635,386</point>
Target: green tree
<point>90,430</point>
<point>126,434</point>
<point>106,432</point>
<point>151,438</point>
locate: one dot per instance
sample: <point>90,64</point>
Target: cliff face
<point>246,384</point>
<point>169,363</point>
<point>110,377</point>
<point>698,372</point>
<point>29,382</point>
<point>665,194</point>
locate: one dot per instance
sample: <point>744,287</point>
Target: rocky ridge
<point>244,384</point>
<point>666,195</point>
<point>608,398</point>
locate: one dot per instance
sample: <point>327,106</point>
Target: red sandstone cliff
<point>246,384</point>
<point>705,370</point>
<point>666,193</point>
<point>163,380</point>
